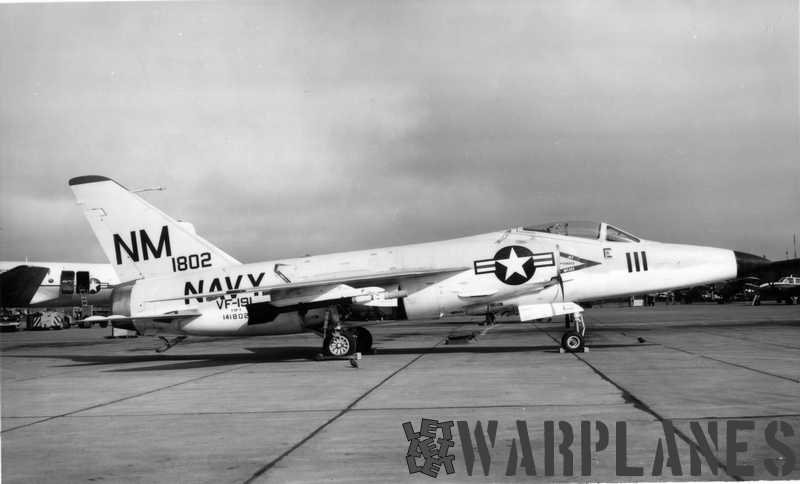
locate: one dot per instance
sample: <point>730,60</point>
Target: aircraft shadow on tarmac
<point>164,362</point>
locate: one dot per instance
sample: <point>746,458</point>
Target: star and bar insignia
<point>514,264</point>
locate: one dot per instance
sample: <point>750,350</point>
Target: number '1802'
<point>189,262</point>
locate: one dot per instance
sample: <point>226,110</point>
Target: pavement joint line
<point>640,405</point>
<point>738,337</point>
<point>65,372</point>
<point>745,367</point>
<point>129,397</point>
<point>718,323</point>
<point>345,410</point>
<point>321,410</point>
<point>731,417</point>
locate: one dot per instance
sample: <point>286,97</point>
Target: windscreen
<point>586,230</point>
<point>614,234</point>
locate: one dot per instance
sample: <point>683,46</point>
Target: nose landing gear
<point>573,340</point>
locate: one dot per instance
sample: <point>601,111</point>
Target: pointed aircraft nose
<point>749,264</point>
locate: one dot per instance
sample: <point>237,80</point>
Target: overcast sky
<point>287,128</point>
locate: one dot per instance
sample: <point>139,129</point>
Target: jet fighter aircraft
<point>181,284</point>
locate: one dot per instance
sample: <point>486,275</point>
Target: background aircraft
<point>179,283</point>
<point>55,284</point>
<point>786,290</point>
<point>765,278</point>
<point>60,284</point>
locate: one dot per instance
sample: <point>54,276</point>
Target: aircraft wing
<point>335,288</point>
<point>18,285</point>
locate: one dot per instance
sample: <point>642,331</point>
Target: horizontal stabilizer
<point>162,317</point>
<point>529,312</point>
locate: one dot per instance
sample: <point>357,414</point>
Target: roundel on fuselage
<point>514,265</point>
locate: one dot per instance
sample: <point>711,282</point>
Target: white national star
<point>514,264</point>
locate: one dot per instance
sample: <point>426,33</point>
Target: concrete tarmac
<point>655,384</point>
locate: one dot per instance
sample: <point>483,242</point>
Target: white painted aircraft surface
<point>181,284</point>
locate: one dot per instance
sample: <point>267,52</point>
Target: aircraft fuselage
<point>498,270</point>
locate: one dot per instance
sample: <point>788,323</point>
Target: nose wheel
<point>573,340</point>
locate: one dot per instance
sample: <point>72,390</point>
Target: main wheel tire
<point>339,344</point>
<point>572,342</point>
<point>363,340</point>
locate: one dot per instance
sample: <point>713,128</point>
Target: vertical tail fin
<point>139,239</point>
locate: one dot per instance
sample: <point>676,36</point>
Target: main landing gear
<point>573,339</point>
<point>344,342</point>
<point>340,342</point>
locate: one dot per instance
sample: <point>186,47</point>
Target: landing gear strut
<point>573,340</point>
<point>169,343</point>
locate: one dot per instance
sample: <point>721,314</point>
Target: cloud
<point>289,128</point>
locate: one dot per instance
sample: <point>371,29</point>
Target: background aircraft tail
<point>139,239</point>
<point>18,285</point>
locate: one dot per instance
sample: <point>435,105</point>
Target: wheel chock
<point>322,357</point>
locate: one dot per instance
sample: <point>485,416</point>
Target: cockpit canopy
<point>584,229</point>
